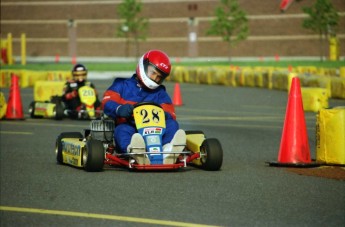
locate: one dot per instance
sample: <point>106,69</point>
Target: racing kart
<point>96,148</point>
<point>55,108</point>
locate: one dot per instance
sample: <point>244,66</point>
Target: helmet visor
<point>155,74</point>
<point>79,75</point>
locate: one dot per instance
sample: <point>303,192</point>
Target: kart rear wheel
<point>58,144</point>
<point>59,111</point>
<point>93,156</point>
<point>211,155</point>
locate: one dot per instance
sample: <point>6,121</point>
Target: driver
<point>144,86</point>
<point>70,95</point>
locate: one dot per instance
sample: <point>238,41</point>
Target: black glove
<point>125,110</point>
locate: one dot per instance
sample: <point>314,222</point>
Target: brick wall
<point>271,32</point>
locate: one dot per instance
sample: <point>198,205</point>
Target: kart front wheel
<point>58,144</point>
<point>211,153</point>
<point>93,156</point>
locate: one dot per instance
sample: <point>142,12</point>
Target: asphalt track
<point>36,191</point>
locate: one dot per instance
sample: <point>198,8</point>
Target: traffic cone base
<point>294,146</point>
<point>14,105</point>
<point>299,165</point>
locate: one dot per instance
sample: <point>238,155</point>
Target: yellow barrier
<point>43,90</point>
<point>239,78</point>
<point>280,80</point>
<point>306,70</point>
<point>316,81</point>
<point>338,87</point>
<point>27,78</point>
<point>261,78</point>
<point>3,105</point>
<point>314,99</point>
<point>342,72</point>
<point>5,78</point>
<point>205,76</point>
<point>266,77</point>
<point>192,75</point>
<point>59,75</point>
<point>176,74</point>
<point>249,78</point>
<point>330,147</point>
<point>221,76</point>
<point>231,79</point>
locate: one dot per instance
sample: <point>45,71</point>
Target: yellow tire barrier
<point>3,105</point>
<point>43,90</point>
<point>330,144</point>
<point>338,88</point>
<point>248,76</point>
<point>332,80</point>
<point>316,81</point>
<point>342,72</point>
<point>314,99</point>
<point>27,78</point>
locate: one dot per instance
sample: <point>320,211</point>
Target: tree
<point>231,23</point>
<point>323,19</point>
<point>132,27</point>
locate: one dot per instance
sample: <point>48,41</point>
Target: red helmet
<point>79,72</point>
<point>159,60</point>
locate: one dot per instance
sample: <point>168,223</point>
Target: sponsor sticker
<point>70,148</point>
<point>148,131</point>
<point>154,150</point>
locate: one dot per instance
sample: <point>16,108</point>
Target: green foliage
<point>130,65</point>
<point>133,27</point>
<point>323,19</point>
<point>231,23</point>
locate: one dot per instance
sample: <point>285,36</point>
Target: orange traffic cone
<point>284,4</point>
<point>14,105</point>
<point>294,147</point>
<point>57,58</point>
<point>177,99</point>
<point>74,60</point>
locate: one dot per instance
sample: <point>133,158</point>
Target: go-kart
<point>56,109</point>
<point>96,148</point>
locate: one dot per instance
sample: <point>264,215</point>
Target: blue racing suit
<point>130,91</point>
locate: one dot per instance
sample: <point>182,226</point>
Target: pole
<point>9,49</point>
<point>23,48</point>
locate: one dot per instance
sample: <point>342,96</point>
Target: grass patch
<point>130,66</point>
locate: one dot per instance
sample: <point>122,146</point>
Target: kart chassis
<point>96,148</point>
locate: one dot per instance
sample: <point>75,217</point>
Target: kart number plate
<point>87,95</point>
<point>149,116</point>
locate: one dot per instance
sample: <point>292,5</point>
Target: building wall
<point>271,32</point>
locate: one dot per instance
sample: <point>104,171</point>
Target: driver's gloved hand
<point>125,110</point>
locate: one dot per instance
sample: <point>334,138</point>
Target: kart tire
<point>93,156</point>
<point>32,109</point>
<point>59,111</point>
<point>193,132</point>
<point>58,144</point>
<point>211,155</point>
<point>56,99</point>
